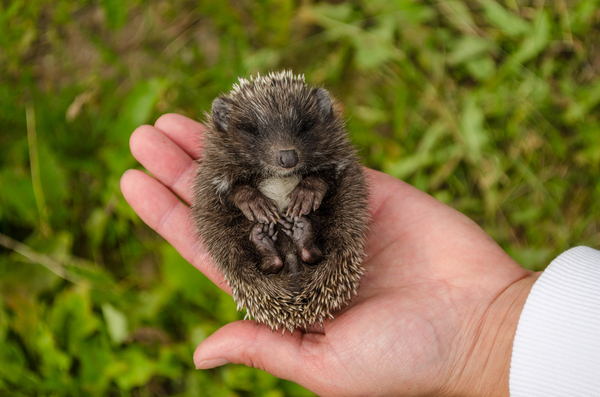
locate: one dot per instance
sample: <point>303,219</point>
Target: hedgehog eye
<point>248,128</point>
<point>306,127</point>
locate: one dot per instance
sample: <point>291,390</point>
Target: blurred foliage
<point>491,107</point>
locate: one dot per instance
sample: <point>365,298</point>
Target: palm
<point>429,271</point>
<point>423,259</point>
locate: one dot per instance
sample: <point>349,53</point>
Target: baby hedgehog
<point>281,201</point>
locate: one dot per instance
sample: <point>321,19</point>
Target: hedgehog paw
<point>306,196</point>
<point>263,236</point>
<point>300,231</point>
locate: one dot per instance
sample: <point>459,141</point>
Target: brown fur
<point>247,128</point>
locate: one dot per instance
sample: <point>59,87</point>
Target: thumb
<point>289,356</point>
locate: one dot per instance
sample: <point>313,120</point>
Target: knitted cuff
<point>556,351</point>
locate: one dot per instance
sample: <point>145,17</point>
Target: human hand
<point>435,315</point>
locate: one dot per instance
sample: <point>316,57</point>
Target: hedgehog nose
<point>287,158</point>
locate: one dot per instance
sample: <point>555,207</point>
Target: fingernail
<point>211,363</point>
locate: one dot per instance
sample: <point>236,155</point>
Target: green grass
<point>490,107</point>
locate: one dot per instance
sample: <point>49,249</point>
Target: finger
<point>185,132</point>
<point>165,160</point>
<point>168,216</point>
<point>297,357</point>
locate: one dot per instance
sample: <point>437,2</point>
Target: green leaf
<point>17,200</point>
<point>186,279</point>
<point>96,226</point>
<point>23,277</point>
<point>53,178</point>
<point>116,12</point>
<point>471,127</point>
<point>372,51</point>
<point>510,23</point>
<point>3,323</point>
<point>197,335</point>
<point>458,14</point>
<point>409,165</point>
<point>13,368</point>
<point>536,40</point>
<point>136,109</point>
<point>95,276</point>
<point>116,323</point>
<point>582,13</point>
<point>72,319</point>
<point>408,11</point>
<point>54,361</point>
<point>134,368</point>
<point>96,361</point>
<point>168,365</point>
<point>468,48</point>
<point>482,68</point>
<point>37,337</point>
<point>339,12</point>
<point>525,216</point>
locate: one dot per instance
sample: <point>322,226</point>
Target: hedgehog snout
<point>287,158</point>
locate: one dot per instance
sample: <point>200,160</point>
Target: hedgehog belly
<point>278,189</point>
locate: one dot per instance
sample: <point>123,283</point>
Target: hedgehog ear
<point>221,113</point>
<point>324,104</point>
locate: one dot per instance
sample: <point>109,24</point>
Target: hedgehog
<point>280,201</point>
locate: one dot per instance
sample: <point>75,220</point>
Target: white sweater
<point>556,351</point>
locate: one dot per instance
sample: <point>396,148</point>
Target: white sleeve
<point>556,352</point>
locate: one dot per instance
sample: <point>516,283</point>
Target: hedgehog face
<point>278,129</point>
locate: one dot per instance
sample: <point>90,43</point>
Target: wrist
<point>486,367</point>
